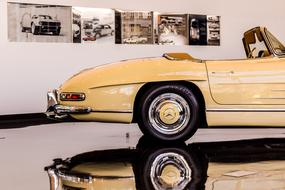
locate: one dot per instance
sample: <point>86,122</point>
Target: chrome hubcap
<point>33,28</point>
<point>169,113</point>
<point>170,171</point>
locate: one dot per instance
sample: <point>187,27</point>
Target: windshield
<point>276,44</point>
<point>45,17</point>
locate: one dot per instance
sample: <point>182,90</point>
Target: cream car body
<point>226,90</point>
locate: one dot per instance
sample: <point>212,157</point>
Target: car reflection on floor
<point>240,165</point>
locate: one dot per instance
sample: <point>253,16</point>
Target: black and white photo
<point>39,23</point>
<point>198,29</point>
<point>76,26</point>
<point>135,27</point>
<point>171,29</point>
<point>98,25</point>
<point>213,30</point>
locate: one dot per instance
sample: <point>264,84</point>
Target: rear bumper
<point>57,179</point>
<point>54,108</point>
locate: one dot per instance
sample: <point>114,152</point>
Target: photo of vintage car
<point>171,29</point>
<point>40,24</point>
<point>134,39</point>
<point>171,96</point>
<point>103,30</point>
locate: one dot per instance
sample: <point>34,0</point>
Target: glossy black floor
<point>154,165</point>
<point>26,120</point>
<point>88,156</point>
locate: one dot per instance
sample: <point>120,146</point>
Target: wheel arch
<point>190,85</point>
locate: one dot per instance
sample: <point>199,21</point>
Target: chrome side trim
<point>278,90</point>
<point>125,84</point>
<point>111,111</point>
<point>112,177</point>
<point>273,98</point>
<point>245,110</point>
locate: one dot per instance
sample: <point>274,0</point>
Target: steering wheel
<point>250,55</point>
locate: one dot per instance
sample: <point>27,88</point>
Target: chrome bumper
<point>54,108</point>
<point>56,178</point>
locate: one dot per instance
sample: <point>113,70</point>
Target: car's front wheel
<point>35,29</point>
<point>169,113</point>
<point>97,35</point>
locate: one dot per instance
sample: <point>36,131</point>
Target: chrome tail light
<point>70,96</point>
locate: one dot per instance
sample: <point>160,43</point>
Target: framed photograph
<point>213,30</point>
<point>171,29</point>
<point>98,25</point>
<point>39,23</point>
<point>198,30</point>
<point>134,27</point>
<point>76,26</point>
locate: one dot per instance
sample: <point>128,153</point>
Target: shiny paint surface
<point>108,176</point>
<point>108,102</point>
<point>248,82</point>
<point>231,89</point>
<point>111,89</point>
<point>248,176</point>
<point>136,71</point>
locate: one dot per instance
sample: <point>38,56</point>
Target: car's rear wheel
<point>169,112</point>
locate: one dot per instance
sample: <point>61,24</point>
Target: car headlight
<point>70,96</point>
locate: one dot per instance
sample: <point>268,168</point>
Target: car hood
<point>136,71</point>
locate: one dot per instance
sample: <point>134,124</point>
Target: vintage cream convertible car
<point>171,96</point>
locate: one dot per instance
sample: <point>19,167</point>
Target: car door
<point>248,82</point>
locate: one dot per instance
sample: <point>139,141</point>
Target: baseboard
<point>24,120</point>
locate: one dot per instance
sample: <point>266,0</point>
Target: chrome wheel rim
<point>170,171</point>
<point>169,113</point>
<point>33,28</point>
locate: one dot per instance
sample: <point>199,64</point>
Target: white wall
<point>28,70</point>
